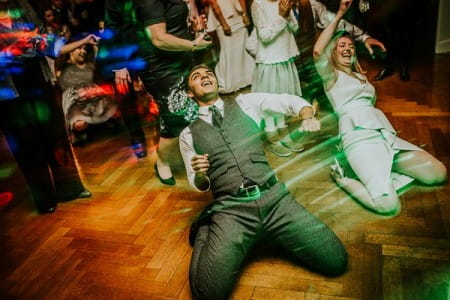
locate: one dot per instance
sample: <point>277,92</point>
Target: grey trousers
<point>223,243</point>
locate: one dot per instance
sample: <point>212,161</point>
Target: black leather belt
<point>256,190</point>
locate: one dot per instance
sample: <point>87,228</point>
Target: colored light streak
<point>43,112</point>
<point>7,170</point>
<point>5,198</point>
<point>7,94</point>
<point>96,91</point>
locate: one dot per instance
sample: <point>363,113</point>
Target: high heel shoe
<point>337,173</point>
<point>168,181</point>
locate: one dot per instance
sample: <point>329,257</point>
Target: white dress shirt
<point>323,17</point>
<point>256,105</point>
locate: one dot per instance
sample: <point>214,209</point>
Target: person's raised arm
<point>267,32</point>
<point>163,40</point>
<point>90,39</point>
<point>321,50</point>
<point>193,9</point>
<point>324,17</point>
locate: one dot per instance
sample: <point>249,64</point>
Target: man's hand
<point>200,164</point>
<point>122,78</point>
<point>201,43</point>
<point>311,125</point>
<point>371,42</point>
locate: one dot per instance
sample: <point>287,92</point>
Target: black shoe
<point>404,73</point>
<point>48,210</point>
<point>84,194</point>
<point>193,232</point>
<point>168,181</point>
<point>383,74</point>
<point>139,150</point>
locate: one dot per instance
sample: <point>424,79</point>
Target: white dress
<point>275,50</point>
<point>235,67</point>
<point>367,137</point>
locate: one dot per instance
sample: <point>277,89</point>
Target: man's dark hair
<point>200,66</point>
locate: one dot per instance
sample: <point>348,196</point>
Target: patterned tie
<point>216,116</point>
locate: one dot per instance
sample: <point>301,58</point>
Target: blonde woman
<point>377,156</point>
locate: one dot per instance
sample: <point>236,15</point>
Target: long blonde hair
<point>355,66</point>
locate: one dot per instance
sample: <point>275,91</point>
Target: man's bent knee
<point>337,262</point>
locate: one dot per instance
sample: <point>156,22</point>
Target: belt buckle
<point>251,191</point>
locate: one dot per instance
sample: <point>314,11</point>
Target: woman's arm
<point>267,30</point>
<point>90,39</point>
<point>292,23</point>
<point>218,13</point>
<point>193,9</point>
<point>321,50</point>
<point>168,42</point>
<point>245,18</point>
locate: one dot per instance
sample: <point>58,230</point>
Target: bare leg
<point>164,156</point>
<point>420,165</point>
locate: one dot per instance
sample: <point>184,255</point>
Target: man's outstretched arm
<point>196,165</point>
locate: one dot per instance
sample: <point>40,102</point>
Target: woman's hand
<point>227,29</point>
<point>245,20</point>
<point>343,7</point>
<point>284,8</point>
<point>198,23</point>
<point>91,39</point>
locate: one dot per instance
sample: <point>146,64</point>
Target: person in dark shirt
<point>171,47</point>
<point>30,118</point>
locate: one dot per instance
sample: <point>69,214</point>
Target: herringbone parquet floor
<point>129,241</point>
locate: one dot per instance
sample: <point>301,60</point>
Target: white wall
<point>443,27</point>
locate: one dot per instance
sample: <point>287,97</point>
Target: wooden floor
<point>130,240</point>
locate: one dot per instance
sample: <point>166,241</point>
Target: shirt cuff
<point>363,37</point>
<point>192,182</point>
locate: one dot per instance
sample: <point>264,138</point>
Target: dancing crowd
<point>67,65</point>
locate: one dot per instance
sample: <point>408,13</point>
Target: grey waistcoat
<point>235,150</point>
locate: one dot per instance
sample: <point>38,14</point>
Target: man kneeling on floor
<point>223,152</point>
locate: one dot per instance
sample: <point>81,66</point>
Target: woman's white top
<point>353,100</point>
<point>276,42</point>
